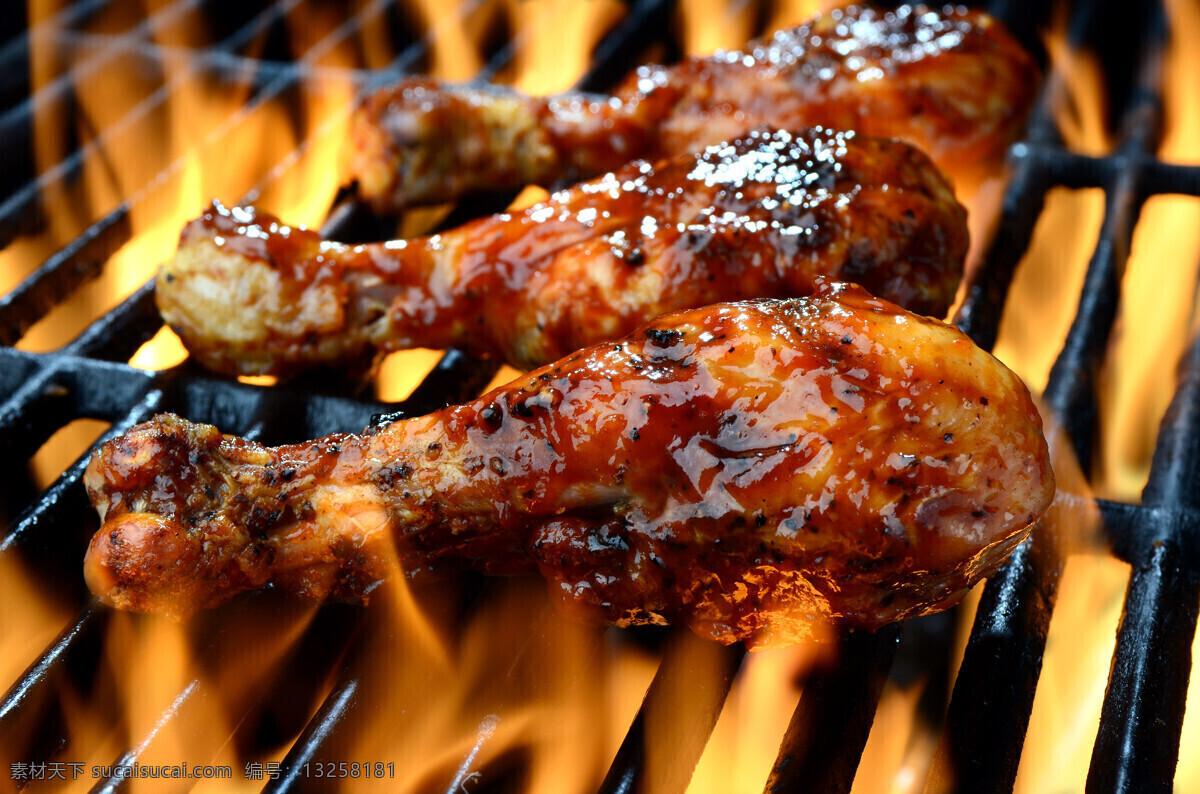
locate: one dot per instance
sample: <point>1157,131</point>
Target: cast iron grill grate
<point>986,716</point>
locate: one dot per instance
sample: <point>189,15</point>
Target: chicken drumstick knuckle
<point>760,217</point>
<point>751,470</point>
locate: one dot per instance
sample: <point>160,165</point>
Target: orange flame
<point>1133,396</point>
<point>515,680</point>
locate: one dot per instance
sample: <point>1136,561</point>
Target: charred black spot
<point>208,491</point>
<point>259,519</point>
<point>634,434</point>
<point>521,408</point>
<point>760,520</point>
<point>635,257</point>
<point>847,339</point>
<point>663,337</point>
<point>948,437</point>
<point>390,475</point>
<point>287,474</point>
<point>983,401</point>
<point>434,448</point>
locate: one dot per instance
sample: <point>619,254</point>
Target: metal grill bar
<point>319,731</point>
<point>80,261</point>
<point>17,206</point>
<point>1151,664</point>
<point>824,741</point>
<point>16,77</point>
<point>278,413</point>
<point>45,284</point>
<point>30,715</point>
<point>1137,746</point>
<point>993,695</point>
<point>803,763</point>
<point>16,124</point>
<point>679,728</point>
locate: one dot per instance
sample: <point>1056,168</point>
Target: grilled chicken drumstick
<point>760,217</point>
<point>748,469</point>
<point>951,81</point>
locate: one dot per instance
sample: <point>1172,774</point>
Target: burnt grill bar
<point>825,738</point>
<point>16,125</point>
<point>456,378</point>
<point>993,695</point>
<point>1137,747</point>
<point>679,729</point>
<point>1024,198</point>
<point>31,718</point>
<point>987,717</point>
<point>270,82</point>
<point>804,761</point>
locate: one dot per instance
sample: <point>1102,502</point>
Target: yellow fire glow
<point>515,678</point>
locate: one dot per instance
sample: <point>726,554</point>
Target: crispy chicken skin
<point>951,81</point>
<point>760,217</point>
<point>751,470</point>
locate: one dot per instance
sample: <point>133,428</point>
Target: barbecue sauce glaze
<point>752,470</point>
<point>760,217</point>
<point>950,80</point>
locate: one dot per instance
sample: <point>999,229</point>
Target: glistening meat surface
<point>759,217</point>
<point>751,470</point>
<point>948,80</point>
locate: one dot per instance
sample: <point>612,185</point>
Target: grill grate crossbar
<point>1138,742</point>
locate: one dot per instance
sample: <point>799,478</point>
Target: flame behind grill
<point>142,115</point>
